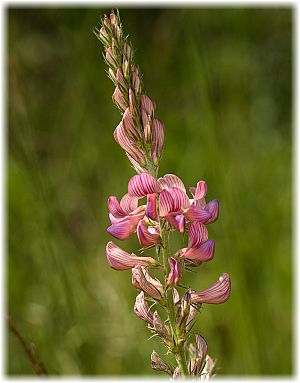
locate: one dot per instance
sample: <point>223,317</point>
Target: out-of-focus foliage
<point>221,79</point>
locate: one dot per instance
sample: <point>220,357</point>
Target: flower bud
<point>110,59</point>
<point>159,325</point>
<point>121,80</point>
<point>175,272</point>
<point>119,100</point>
<point>142,309</point>
<point>159,365</point>
<point>136,81</point>
<point>127,52</point>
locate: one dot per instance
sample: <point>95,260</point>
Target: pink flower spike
<point>151,211</point>
<point>196,213</point>
<point>175,272</point>
<point>202,253</point>
<point>142,184</point>
<point>170,181</point>
<point>119,259</point>
<point>125,227</point>
<point>142,309</point>
<point>197,234</point>
<point>147,104</point>
<point>219,292</point>
<point>213,208</point>
<point>140,281</point>
<point>147,235</point>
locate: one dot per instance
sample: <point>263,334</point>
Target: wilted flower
<point>158,364</point>
<point>142,309</point>
<point>219,292</point>
<point>142,280</point>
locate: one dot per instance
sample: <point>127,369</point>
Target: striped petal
<point>213,208</point>
<point>197,255</point>
<point>151,211</point>
<point>119,259</point>
<point>197,234</point>
<point>125,227</point>
<point>142,309</point>
<point>219,292</point>
<point>147,235</point>
<point>137,167</point>
<point>142,184</point>
<point>114,207</point>
<point>129,126</point>
<point>147,104</point>
<point>129,203</point>
<point>139,281</point>
<point>170,181</point>
<point>175,272</point>
<point>177,221</point>
<point>165,203</point>
<point>201,190</point>
<point>158,138</point>
<point>180,199</point>
<point>196,213</point>
<point>121,137</point>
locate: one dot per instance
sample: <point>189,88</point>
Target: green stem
<point>178,346</point>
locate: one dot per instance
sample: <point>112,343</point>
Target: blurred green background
<point>222,81</point>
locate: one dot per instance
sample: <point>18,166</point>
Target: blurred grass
<point>221,79</point>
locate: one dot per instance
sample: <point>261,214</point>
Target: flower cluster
<point>154,208</point>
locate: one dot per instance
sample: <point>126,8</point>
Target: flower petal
<point>219,292</point>
<point>129,126</point>
<point>127,144</point>
<point>213,208</point>
<point>125,227</point>
<point>197,234</point>
<point>169,181</point>
<point>175,272</point>
<point>142,309</point>
<point>115,208</point>
<point>142,184</point>
<point>180,199</point>
<point>196,213</point>
<point>129,203</point>
<point>139,280</point>
<point>177,221</point>
<point>203,253</point>
<point>147,236</point>
<point>151,211</point>
<point>147,104</point>
<point>158,138</point>
<point>201,190</point>
<point>165,203</point>
<point>119,259</point>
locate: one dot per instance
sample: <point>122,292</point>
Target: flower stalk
<point>153,208</point>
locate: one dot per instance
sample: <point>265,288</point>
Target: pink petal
<point>125,227</point>
<point>115,208</point>
<point>139,279</point>
<point>142,184</point>
<point>129,203</point>
<point>119,259</point>
<point>175,272</point>
<point>158,138</point>
<point>177,221</point>
<point>180,199</point>
<point>139,169</point>
<point>146,120</point>
<point>129,125</point>
<point>127,144</point>
<point>202,253</point>
<point>213,208</point>
<point>219,292</point>
<point>169,181</point>
<point>197,234</point>
<point>147,104</point>
<point>119,100</point>
<point>165,203</point>
<point>196,213</point>
<point>145,236</point>
<point>151,211</point>
<point>201,190</point>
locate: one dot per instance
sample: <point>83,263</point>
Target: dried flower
<point>219,292</point>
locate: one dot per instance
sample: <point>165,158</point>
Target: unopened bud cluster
<point>154,208</point>
<point>139,133</point>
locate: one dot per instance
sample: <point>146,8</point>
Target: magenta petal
<point>115,208</point>
<point>213,208</point>
<point>201,190</point>
<point>177,221</point>
<point>196,213</point>
<point>180,199</point>
<point>119,259</point>
<point>165,203</point>
<point>151,206</point>
<point>169,181</point>
<point>202,253</point>
<point>147,236</point>
<point>129,203</point>
<point>142,184</point>
<point>175,272</point>
<point>219,292</point>
<point>124,228</point>
<point>197,234</point>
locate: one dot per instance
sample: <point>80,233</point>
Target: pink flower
<point>199,194</point>
<point>199,249</point>
<point>148,234</point>
<point>175,272</point>
<point>119,259</point>
<point>142,280</point>
<point>219,292</point>
<point>142,184</point>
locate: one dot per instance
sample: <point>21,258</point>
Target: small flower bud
<point>158,325</point>
<point>121,80</point>
<point>132,102</point>
<point>110,59</point>
<point>175,272</point>
<point>119,100</point>
<point>127,52</point>
<point>136,81</point>
<point>159,365</point>
<point>113,19</point>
